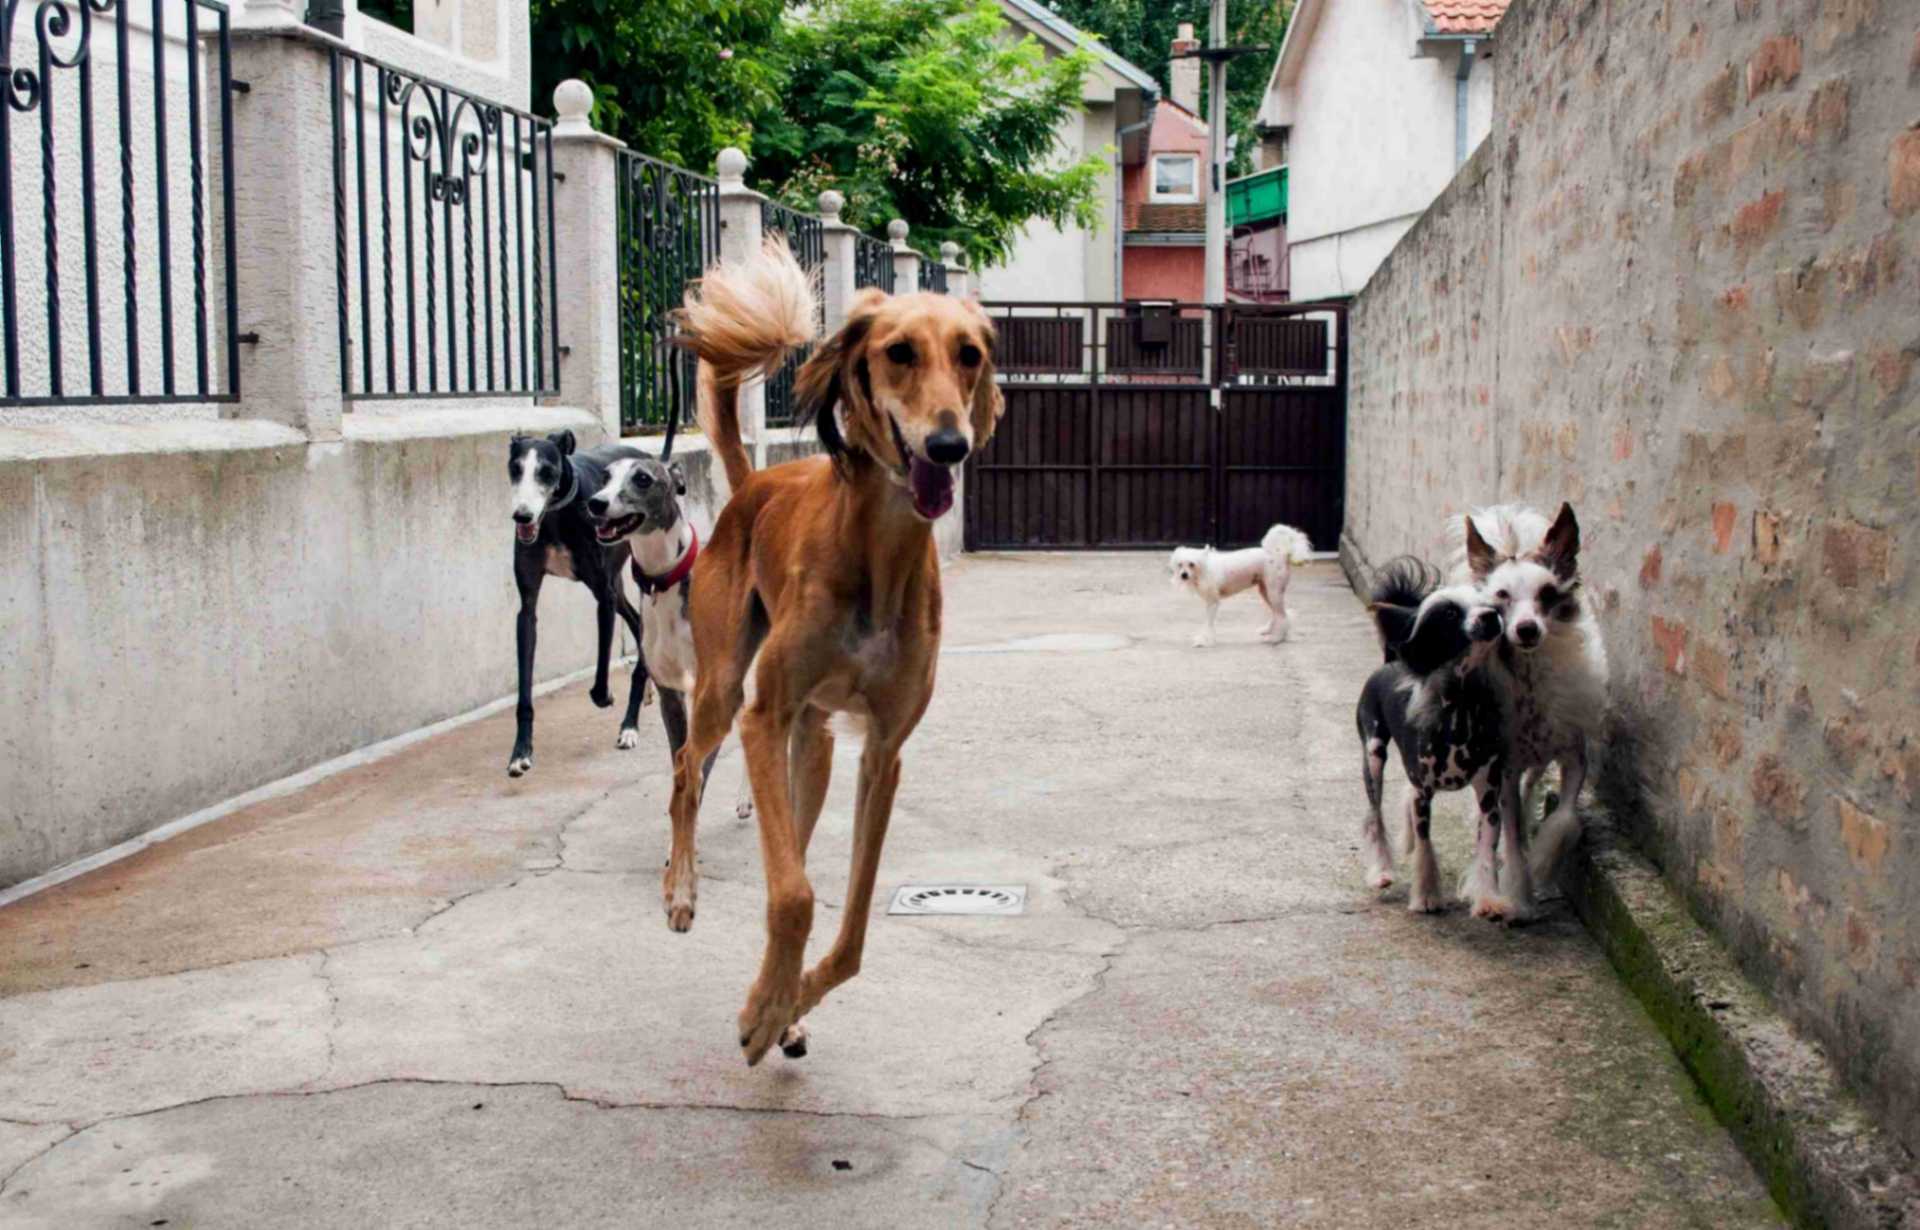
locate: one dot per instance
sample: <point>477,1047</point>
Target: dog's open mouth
<point>526,531</point>
<point>929,482</point>
<point>616,529</point>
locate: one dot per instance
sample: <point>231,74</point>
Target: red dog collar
<point>655,585</point>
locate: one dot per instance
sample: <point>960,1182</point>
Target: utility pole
<point>1216,283</point>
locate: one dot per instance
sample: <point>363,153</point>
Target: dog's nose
<point>597,505</point>
<point>1528,633</point>
<point>947,446</point>
<point>522,516</point>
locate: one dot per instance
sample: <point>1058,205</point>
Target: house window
<point>1176,177</point>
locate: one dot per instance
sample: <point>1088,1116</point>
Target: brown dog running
<point>822,580</point>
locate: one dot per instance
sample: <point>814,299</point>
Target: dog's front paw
<point>770,1010</point>
<point>1494,908</point>
<point>744,808</point>
<point>628,740</point>
<point>678,894</point>
<point>601,697</point>
<point>1425,903</point>
<point>1380,878</point>
<point>1203,641</point>
<point>793,1043</point>
<point>519,763</point>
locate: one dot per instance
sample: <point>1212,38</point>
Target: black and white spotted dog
<point>553,535</point>
<point>1554,659</point>
<point>1436,701</point>
<point>638,507</point>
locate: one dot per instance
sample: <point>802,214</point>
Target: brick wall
<point>1165,271</point>
<point>1678,286</point>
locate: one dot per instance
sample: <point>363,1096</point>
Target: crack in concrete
<point>51,1146</point>
<point>325,974</point>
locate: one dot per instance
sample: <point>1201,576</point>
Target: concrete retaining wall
<point>1676,287</point>
<point>194,609</point>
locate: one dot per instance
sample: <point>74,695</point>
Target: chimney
<point>1184,75</point>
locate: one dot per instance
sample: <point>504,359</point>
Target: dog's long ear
<point>1395,624</point>
<point>1437,639</point>
<point>988,402</point>
<point>1560,551</point>
<point>836,373</point>
<point>563,440</point>
<point>1481,557</point>
<point>679,478</point>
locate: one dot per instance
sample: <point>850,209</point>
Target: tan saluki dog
<point>822,582</point>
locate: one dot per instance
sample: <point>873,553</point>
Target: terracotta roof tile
<point>1162,219</point>
<point>1465,16</point>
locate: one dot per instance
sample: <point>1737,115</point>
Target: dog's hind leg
<point>1561,831</point>
<point>1373,831</point>
<point>1425,897</point>
<point>525,632</point>
<point>1273,591</point>
<point>637,691</point>
<point>809,771</point>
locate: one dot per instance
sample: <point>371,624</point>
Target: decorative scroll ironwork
<point>452,328</point>
<point>668,233</point>
<point>872,263</point>
<point>806,236</point>
<point>35,362</point>
<point>933,275</point>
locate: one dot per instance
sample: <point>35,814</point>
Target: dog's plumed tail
<point>743,319</point>
<point>1404,583</point>
<point>1285,542</point>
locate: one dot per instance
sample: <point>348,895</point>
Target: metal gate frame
<point>1232,353</point>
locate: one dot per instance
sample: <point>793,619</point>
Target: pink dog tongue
<point>526,531</point>
<point>932,487</point>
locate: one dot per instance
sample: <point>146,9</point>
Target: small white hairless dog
<point>1214,575</point>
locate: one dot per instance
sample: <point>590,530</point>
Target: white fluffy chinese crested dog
<point>1216,575</point>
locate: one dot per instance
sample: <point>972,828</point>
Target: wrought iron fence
<point>456,295</point>
<point>166,164</point>
<point>668,232</point>
<point>807,239</point>
<point>872,263</point>
<point>933,275</point>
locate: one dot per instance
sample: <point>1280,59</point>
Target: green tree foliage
<point>1142,31</point>
<point>931,110</point>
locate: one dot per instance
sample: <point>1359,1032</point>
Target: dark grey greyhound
<point>553,534</point>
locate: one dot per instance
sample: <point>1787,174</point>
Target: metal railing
<point>933,275</point>
<point>152,265</point>
<point>668,233</point>
<point>872,263</point>
<point>806,237</point>
<point>1239,345</point>
<point>454,296</point>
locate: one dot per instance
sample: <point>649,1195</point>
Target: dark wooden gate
<point>1132,425</point>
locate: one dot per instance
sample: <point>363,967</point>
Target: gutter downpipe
<point>1120,135</point>
<point>1460,79</point>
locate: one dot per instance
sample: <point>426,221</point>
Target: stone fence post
<point>587,163</point>
<point>956,272</point>
<point>740,241</point>
<point>838,275</point>
<point>906,262</point>
<point>283,206</point>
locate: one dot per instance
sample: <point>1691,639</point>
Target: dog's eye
<point>642,481</point>
<point>544,473</point>
<point>901,353</point>
<point>970,355</point>
<point>1549,596</point>
<point>1503,596</point>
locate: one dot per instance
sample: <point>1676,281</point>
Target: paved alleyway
<point>422,994</point>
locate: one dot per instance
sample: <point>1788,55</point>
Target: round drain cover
<point>959,899</point>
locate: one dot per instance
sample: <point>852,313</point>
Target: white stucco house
<point>1372,106</point>
<point>1115,122</point>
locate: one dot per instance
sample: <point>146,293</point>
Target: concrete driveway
<point>422,994</point>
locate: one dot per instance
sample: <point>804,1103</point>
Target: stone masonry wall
<point>1678,287</point>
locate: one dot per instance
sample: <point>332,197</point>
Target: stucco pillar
<point>956,272</point>
<point>906,262</point>
<point>584,219</point>
<point>286,268</point>
<point>740,241</point>
<point>838,280</point>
